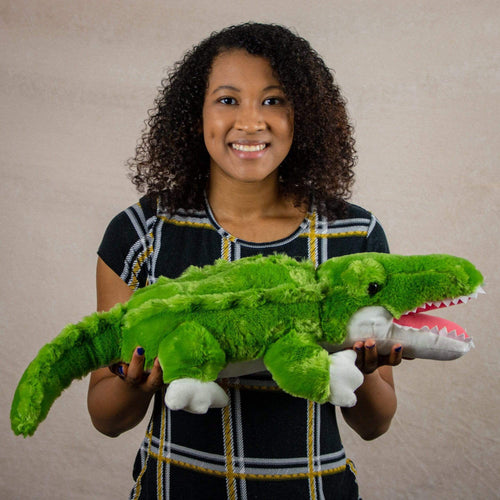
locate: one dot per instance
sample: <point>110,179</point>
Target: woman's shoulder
<point>352,214</point>
<point>355,211</point>
<point>375,234</point>
<point>139,212</point>
<point>359,223</point>
<point>129,225</point>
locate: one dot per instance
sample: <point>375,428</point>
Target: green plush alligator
<point>221,320</point>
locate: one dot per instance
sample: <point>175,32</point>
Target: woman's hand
<point>368,359</point>
<point>377,403</point>
<point>136,377</point>
<point>116,404</point>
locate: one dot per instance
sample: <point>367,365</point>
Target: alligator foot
<point>195,396</point>
<point>345,378</point>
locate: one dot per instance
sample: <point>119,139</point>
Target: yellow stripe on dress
<point>249,475</point>
<point>313,244</point>
<point>137,266</point>
<point>187,223</point>
<point>159,463</point>
<point>228,447</point>
<point>149,453</point>
<point>310,448</point>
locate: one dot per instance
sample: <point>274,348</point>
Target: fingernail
<point>398,349</point>
<point>140,351</point>
<point>358,348</point>
<point>371,346</point>
<point>120,370</point>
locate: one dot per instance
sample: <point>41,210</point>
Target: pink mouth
<point>438,325</point>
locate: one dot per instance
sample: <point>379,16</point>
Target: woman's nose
<point>249,119</point>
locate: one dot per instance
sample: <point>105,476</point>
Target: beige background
<point>422,80</point>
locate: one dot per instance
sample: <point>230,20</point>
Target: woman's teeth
<point>248,147</point>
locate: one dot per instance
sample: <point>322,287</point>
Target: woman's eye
<point>227,100</point>
<point>272,101</point>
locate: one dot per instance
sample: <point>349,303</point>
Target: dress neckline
<point>303,226</point>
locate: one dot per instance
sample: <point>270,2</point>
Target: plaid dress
<point>265,444</point>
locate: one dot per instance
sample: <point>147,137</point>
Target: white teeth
<point>248,147</point>
<point>446,303</point>
<point>443,332</point>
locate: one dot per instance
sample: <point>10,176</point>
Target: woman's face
<point>247,118</point>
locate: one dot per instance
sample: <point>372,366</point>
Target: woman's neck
<point>254,211</point>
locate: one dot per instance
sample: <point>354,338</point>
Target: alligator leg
<point>300,366</point>
<point>345,378</point>
<point>191,359</point>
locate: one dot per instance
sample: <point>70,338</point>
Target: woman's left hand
<point>368,359</point>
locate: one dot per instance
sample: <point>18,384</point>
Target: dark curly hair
<point>172,163</point>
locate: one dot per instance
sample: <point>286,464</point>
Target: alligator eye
<point>373,288</point>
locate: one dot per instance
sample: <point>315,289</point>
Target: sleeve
<point>376,240</point>
<point>117,243</point>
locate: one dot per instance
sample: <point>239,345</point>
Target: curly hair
<point>171,161</point>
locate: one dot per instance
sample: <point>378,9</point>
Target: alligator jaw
<point>422,335</point>
<point>434,335</point>
<point>432,342</point>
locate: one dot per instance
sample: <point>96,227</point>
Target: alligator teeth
<point>448,302</point>
<point>443,332</point>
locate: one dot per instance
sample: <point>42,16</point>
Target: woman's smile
<point>249,151</point>
<point>249,148</point>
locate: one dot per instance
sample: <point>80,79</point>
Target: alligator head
<point>383,296</point>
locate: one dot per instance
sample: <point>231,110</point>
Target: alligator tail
<point>79,348</point>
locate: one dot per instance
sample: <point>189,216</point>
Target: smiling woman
<point>249,151</point>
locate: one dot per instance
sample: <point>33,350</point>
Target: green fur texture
<point>274,308</point>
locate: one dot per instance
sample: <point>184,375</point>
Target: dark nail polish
<point>398,349</point>
<point>120,370</point>
<point>371,346</point>
<point>140,351</point>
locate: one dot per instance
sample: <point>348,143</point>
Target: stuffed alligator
<point>272,312</point>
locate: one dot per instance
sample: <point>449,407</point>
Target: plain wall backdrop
<point>422,79</point>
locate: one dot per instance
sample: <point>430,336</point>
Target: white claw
<point>345,378</point>
<point>195,396</point>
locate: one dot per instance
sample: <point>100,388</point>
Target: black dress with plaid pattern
<point>265,444</point>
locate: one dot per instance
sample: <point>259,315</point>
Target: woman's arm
<point>117,404</point>
<point>372,415</point>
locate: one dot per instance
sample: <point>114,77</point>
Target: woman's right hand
<point>118,403</point>
<point>133,373</point>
